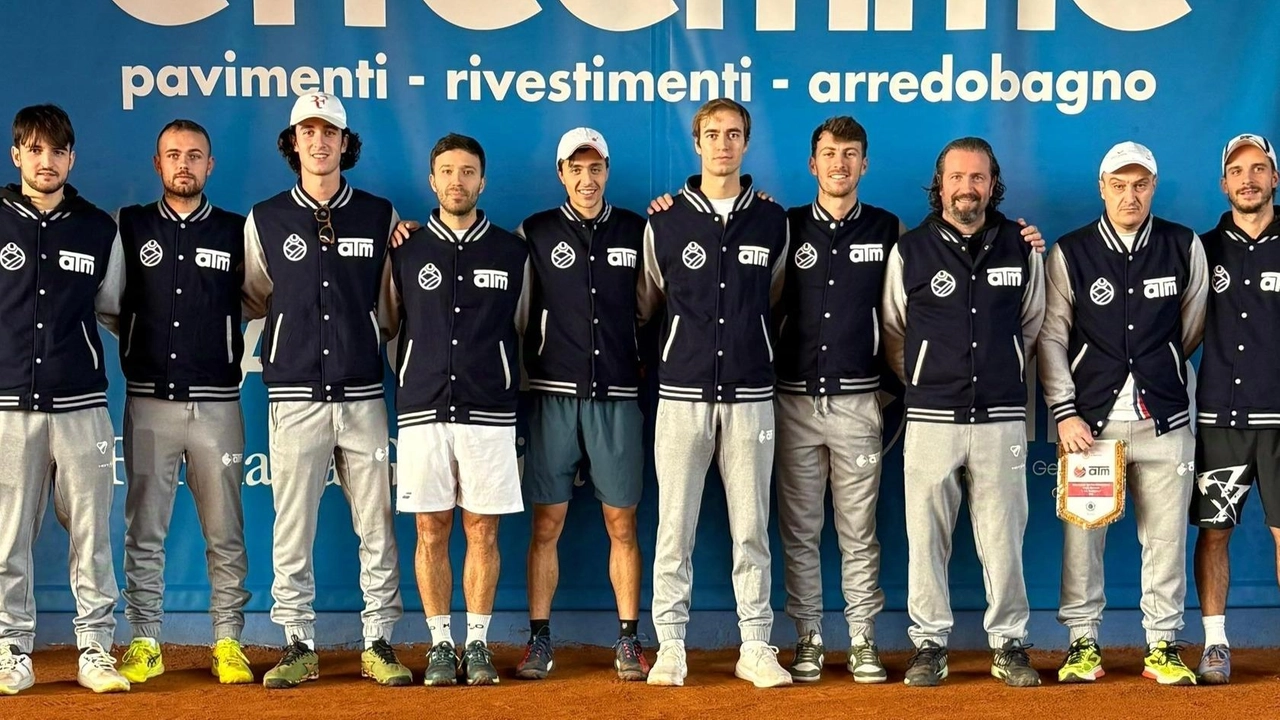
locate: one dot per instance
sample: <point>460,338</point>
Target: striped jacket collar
<point>436,227</point>
<point>692,193</point>
<point>1111,237</point>
<point>11,198</point>
<point>1227,226</point>
<point>201,213</point>
<point>339,199</point>
<point>821,215</point>
<point>951,234</point>
<point>574,216</point>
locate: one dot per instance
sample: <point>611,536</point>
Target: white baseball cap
<point>1125,154</point>
<point>1248,139</point>
<point>319,105</point>
<point>578,138</point>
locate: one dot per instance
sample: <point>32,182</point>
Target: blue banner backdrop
<point>1052,84</point>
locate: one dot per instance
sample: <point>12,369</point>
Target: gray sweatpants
<point>74,453</point>
<point>837,440</point>
<point>739,436</point>
<point>159,435</point>
<point>1160,475</point>
<point>994,456</point>
<point>304,437</point>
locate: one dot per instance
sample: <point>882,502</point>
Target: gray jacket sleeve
<point>1033,303</point>
<point>650,288</point>
<point>779,270</point>
<point>106,304</point>
<point>257,280</point>
<point>1059,312</point>
<point>1195,299</point>
<point>893,310</point>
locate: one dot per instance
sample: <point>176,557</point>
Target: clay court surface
<point>583,688</point>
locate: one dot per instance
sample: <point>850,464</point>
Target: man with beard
<point>1238,395</point>
<point>1125,309</point>
<point>313,260</point>
<point>180,352</point>
<point>717,259</point>
<point>452,293</point>
<point>60,264</point>
<point>963,303</point>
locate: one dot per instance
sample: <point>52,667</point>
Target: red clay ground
<point>583,688</point>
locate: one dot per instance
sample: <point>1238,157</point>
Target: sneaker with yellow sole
<point>1164,665</point>
<point>229,663</point>
<point>142,661</point>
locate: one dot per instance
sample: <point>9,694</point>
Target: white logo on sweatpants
<point>228,459</point>
<point>766,436</point>
<point>102,446</point>
<point>380,454</point>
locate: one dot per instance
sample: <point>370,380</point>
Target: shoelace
<point>674,652</point>
<point>478,652</point>
<point>9,661</point>
<point>99,658</point>
<point>539,646</point>
<point>385,652</point>
<point>1078,649</point>
<point>1015,654</point>
<point>1217,656</point>
<point>764,652</point>
<point>629,646</point>
<point>294,652</point>
<point>866,654</point>
<point>927,654</point>
<point>807,652</point>
<point>1168,655</point>
<point>442,653</point>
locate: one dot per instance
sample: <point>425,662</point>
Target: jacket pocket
<point>128,340</point>
<point>275,337</point>
<point>1022,360</point>
<point>1177,363</point>
<point>231,356</point>
<point>875,332</point>
<point>377,334</point>
<point>404,364</point>
<point>542,331</point>
<point>506,366</point>
<point>671,337</point>
<point>1075,362</point>
<point>764,327</point>
<point>915,374</point>
<point>87,341</point>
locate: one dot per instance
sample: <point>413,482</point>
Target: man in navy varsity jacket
<point>313,264</point>
<point>1238,393</point>
<point>1125,309</point>
<point>963,303</point>
<point>717,258</point>
<point>180,347</point>
<point>581,358</point>
<point>60,263</point>
<point>452,294</point>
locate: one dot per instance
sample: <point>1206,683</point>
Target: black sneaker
<point>1012,665</point>
<point>629,660</point>
<point>537,661</point>
<point>442,665</point>
<point>928,667</point>
<point>477,664</point>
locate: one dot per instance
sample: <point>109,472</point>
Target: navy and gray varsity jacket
<point>829,334</point>
<point>61,273</point>
<point>581,339</point>
<point>453,302</point>
<point>180,317</point>
<point>958,327</point>
<point>719,282</point>
<point>322,341</point>
<point>1239,382</point>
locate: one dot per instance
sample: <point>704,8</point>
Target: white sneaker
<point>16,674</point>
<point>758,664</point>
<point>98,671</point>
<point>671,667</point>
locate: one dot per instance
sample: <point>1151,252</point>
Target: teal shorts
<point>602,440</point>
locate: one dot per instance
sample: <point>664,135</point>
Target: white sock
<point>478,628</point>
<point>368,642</point>
<point>440,629</point>
<point>816,639</point>
<point>151,642</point>
<point>1215,630</point>
<point>671,643</point>
<point>310,643</point>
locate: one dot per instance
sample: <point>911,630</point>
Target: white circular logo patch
<point>942,284</point>
<point>429,277</point>
<point>562,256</point>
<point>295,248</point>
<point>806,256</point>
<point>151,254</point>
<point>1102,291</point>
<point>1221,279</point>
<point>12,257</point>
<point>694,256</point>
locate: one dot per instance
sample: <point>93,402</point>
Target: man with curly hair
<point>321,244</point>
